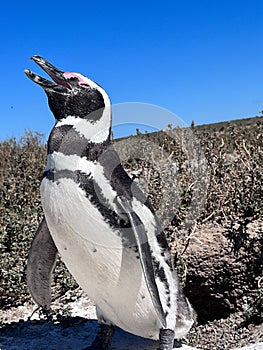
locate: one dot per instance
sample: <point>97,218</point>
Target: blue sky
<point>199,59</point>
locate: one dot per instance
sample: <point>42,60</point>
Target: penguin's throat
<point>92,131</point>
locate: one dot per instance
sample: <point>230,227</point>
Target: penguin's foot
<point>103,338</point>
<point>166,338</point>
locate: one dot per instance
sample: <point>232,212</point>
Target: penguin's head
<point>70,94</point>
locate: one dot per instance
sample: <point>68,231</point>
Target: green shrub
<point>22,164</point>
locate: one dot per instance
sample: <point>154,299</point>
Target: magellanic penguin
<point>100,222</point>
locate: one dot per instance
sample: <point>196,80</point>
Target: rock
<point>220,281</point>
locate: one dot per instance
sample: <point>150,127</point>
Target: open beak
<point>59,83</point>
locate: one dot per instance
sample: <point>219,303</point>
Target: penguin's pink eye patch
<point>81,80</point>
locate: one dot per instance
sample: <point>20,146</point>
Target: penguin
<point>100,222</point>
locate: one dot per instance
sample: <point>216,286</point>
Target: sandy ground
<point>23,328</point>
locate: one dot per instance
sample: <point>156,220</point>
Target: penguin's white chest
<point>93,252</point>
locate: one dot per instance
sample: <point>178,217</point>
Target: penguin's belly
<point>92,251</point>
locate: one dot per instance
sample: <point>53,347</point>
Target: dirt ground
<point>73,326</point>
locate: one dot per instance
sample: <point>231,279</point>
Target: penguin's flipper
<point>41,261</point>
<point>141,240</point>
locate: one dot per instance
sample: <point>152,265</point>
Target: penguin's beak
<point>60,83</point>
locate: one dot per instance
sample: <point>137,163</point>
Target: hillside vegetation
<point>204,175</point>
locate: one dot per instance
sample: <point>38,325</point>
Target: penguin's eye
<point>73,80</point>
